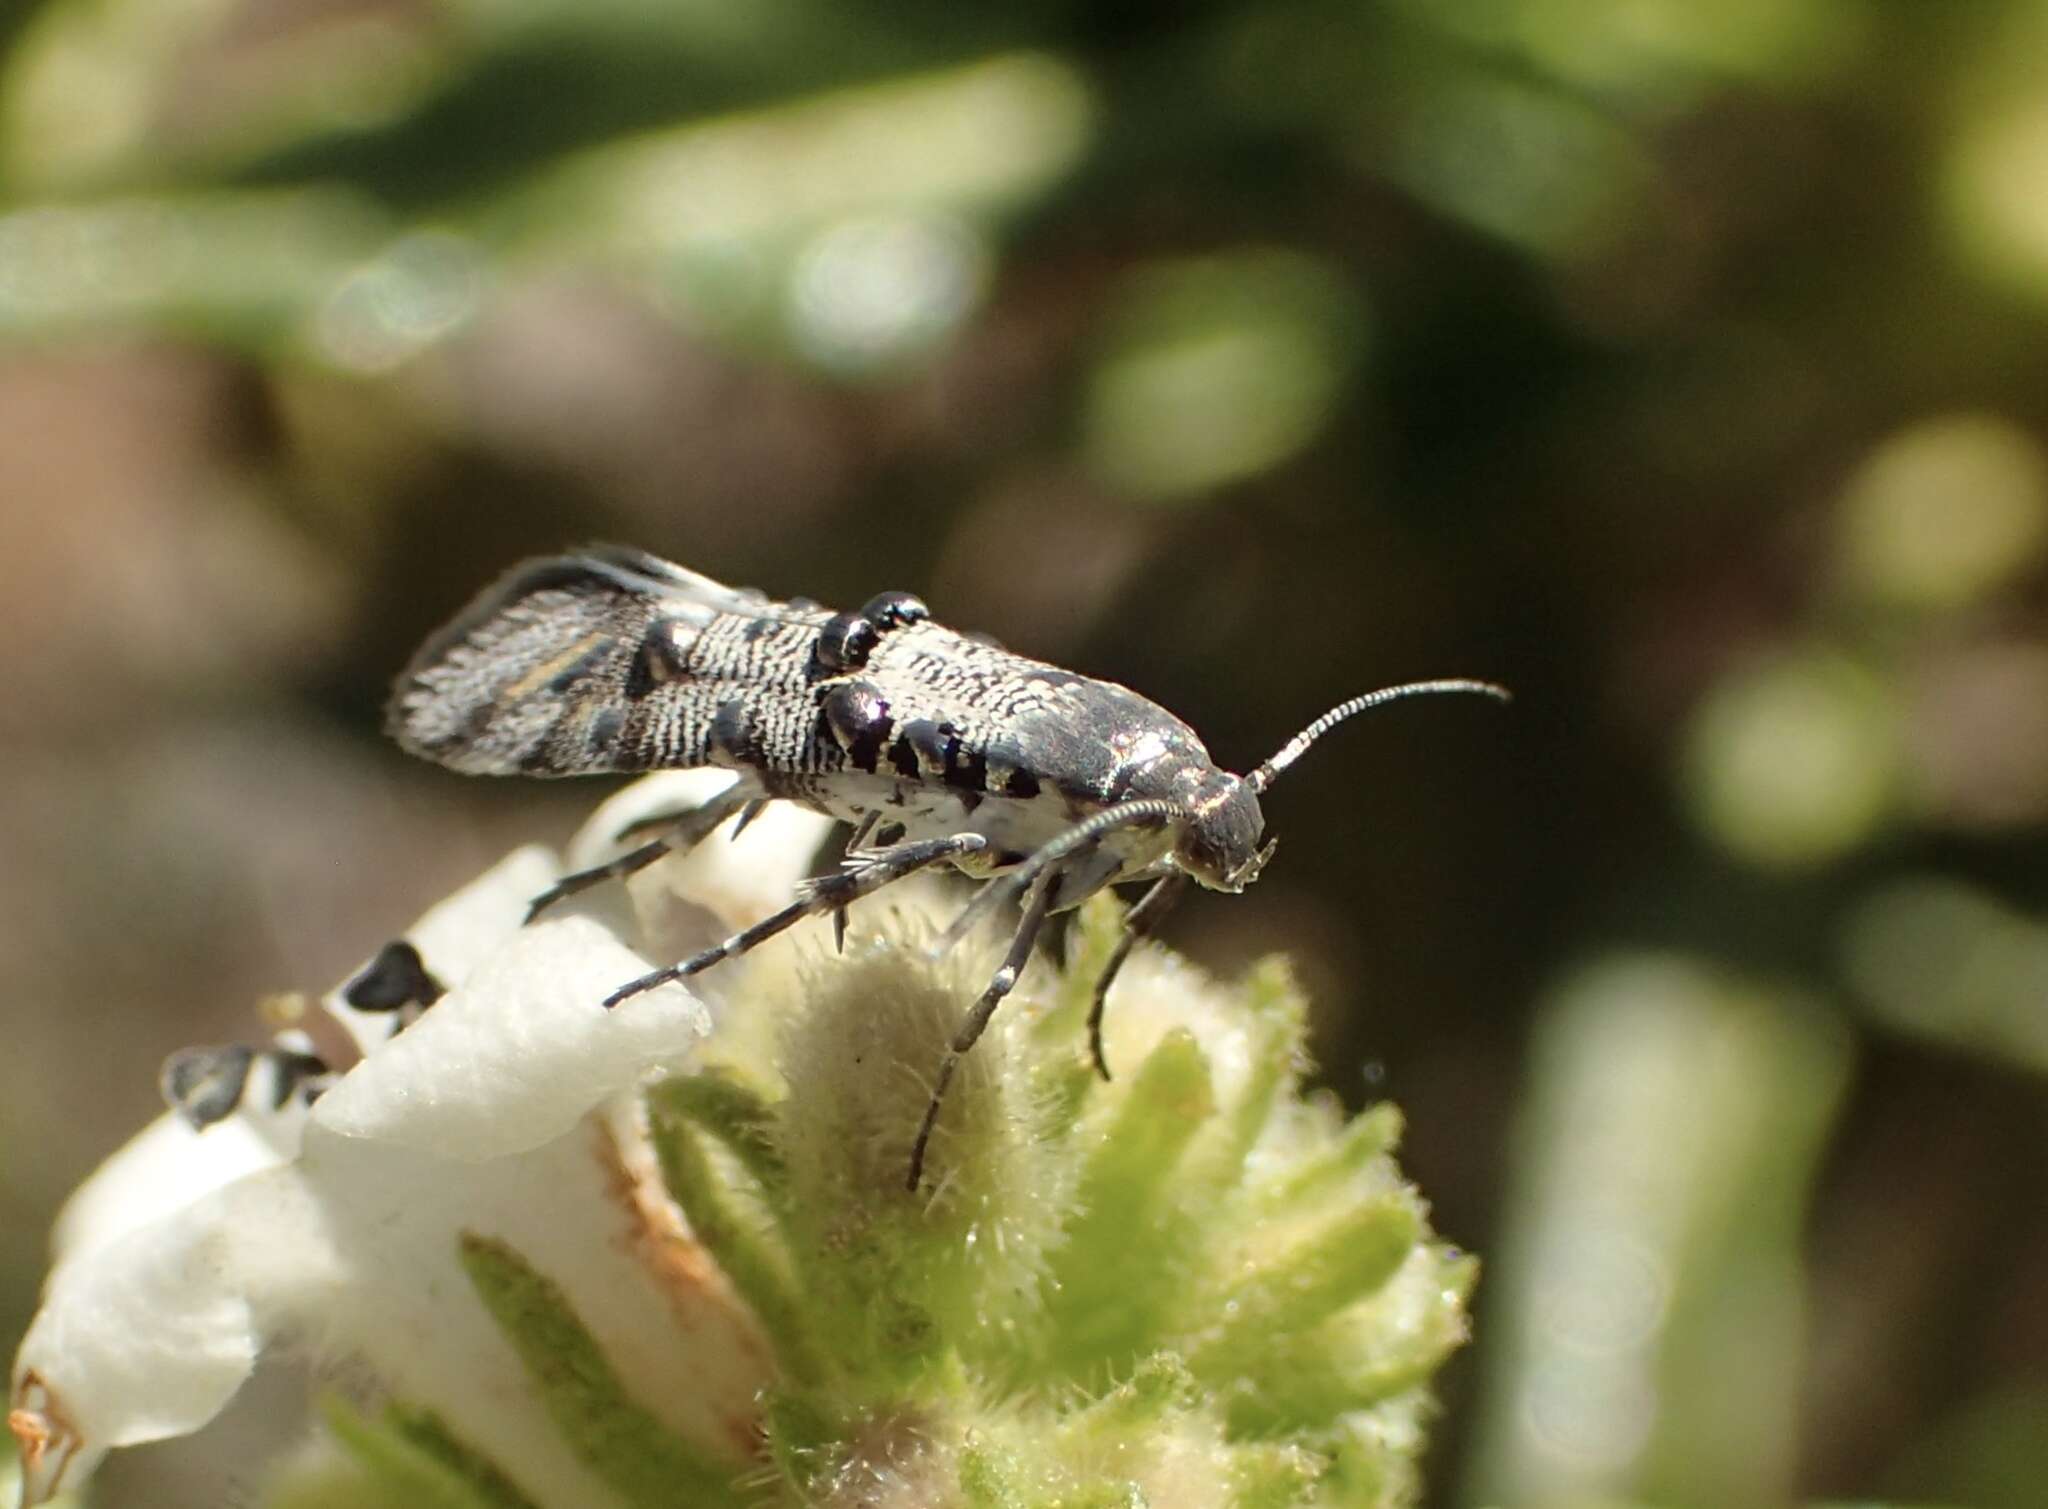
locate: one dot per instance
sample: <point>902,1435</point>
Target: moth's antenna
<point>1297,746</point>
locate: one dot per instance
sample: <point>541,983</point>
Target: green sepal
<point>405,1457</point>
<point>1159,1386</point>
<point>748,1252</point>
<point>1295,1289</point>
<point>736,1115</point>
<point>1361,1357</point>
<point>609,1432</point>
<point>1276,1017</point>
<point>991,1477</point>
<point>802,1437</point>
<point>897,1282</point>
<point>1330,1174</point>
<point>1273,1475</point>
<point>1128,1240</point>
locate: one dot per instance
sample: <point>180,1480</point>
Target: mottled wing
<point>955,713</point>
<point>606,660</point>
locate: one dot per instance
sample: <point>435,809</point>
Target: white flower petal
<point>191,1251</point>
<point>150,1334</point>
<point>686,1350</point>
<point>658,796</point>
<point>744,879</point>
<point>168,1165</point>
<point>739,880</point>
<point>520,1051</point>
<point>459,933</point>
<point>355,1249</point>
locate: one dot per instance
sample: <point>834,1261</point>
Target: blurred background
<point>1683,365</point>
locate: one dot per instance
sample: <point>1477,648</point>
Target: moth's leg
<point>826,893</point>
<point>748,813</point>
<point>853,851</point>
<point>1138,922</point>
<point>654,822</point>
<point>1146,812</point>
<point>856,841</point>
<point>687,830</point>
<point>1036,902</point>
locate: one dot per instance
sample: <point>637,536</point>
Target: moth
<point>937,747</point>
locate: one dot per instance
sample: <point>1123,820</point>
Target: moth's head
<point>1219,843</point>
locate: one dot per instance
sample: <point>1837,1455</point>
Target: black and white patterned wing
<point>606,660</point>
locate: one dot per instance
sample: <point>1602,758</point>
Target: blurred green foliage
<point>1681,364</point>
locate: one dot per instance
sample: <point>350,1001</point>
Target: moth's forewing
<point>569,666</point>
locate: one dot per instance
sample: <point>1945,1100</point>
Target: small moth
<point>937,747</point>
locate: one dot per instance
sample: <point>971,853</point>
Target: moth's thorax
<point>1019,751</point>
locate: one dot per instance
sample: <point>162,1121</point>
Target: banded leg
<point>748,813</point>
<point>853,851</point>
<point>827,893</point>
<point>654,822</point>
<point>856,841</point>
<point>1138,922</point>
<point>687,830</point>
<point>1036,902</point>
<point>1146,812</point>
